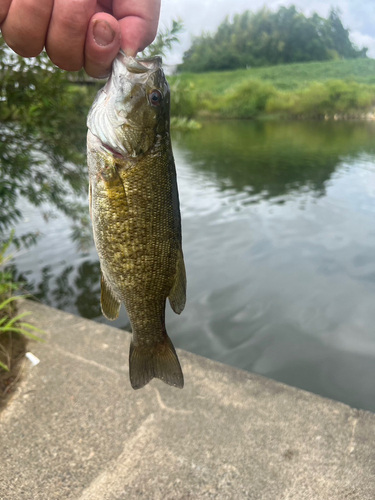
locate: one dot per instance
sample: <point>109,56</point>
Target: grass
<point>10,321</point>
<point>308,90</point>
<point>284,77</point>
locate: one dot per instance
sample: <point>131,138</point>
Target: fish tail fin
<point>159,360</point>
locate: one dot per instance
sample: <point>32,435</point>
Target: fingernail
<point>103,33</point>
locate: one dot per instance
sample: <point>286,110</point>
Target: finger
<point>4,7</point>
<point>105,5</point>
<point>26,25</point>
<point>103,42</point>
<point>67,32</point>
<point>139,22</point>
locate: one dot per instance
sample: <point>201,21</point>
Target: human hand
<point>79,33</point>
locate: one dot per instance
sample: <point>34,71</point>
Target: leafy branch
<point>165,40</point>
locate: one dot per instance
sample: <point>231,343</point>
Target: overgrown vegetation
<point>42,145</point>
<point>306,90</point>
<point>12,325</point>
<point>266,38</point>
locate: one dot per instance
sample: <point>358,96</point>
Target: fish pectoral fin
<point>177,296</point>
<point>158,360</point>
<point>109,302</point>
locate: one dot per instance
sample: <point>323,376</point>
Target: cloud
<point>361,40</point>
<point>206,15</point>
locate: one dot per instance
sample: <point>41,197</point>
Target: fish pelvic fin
<point>110,304</point>
<point>159,360</point>
<point>177,296</point>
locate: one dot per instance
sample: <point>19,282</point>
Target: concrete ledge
<point>76,430</point>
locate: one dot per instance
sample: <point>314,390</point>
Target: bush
<point>246,100</point>
<point>184,102</point>
<point>325,99</point>
<point>178,123</point>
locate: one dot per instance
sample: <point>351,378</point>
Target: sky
<point>206,15</point>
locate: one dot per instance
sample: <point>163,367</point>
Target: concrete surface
<point>76,430</point>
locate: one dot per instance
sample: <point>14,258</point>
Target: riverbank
<point>76,430</point>
<point>319,90</point>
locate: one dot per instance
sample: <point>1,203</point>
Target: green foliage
<point>7,287</point>
<point>10,322</point>
<point>284,76</point>
<point>178,123</point>
<point>165,39</point>
<point>266,38</point>
<point>328,99</point>
<point>42,146</point>
<point>184,101</point>
<point>318,100</point>
<point>246,100</point>
<point>316,89</point>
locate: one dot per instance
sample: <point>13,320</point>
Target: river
<point>279,242</point>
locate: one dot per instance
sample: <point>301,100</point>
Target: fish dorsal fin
<point>109,302</point>
<point>177,296</point>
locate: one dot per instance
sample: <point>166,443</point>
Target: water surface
<point>279,243</point>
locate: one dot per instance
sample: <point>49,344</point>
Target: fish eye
<point>155,97</point>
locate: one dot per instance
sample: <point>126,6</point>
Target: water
<point>279,243</point>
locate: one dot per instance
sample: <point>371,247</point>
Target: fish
<point>134,208</point>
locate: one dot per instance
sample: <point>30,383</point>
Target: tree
<point>266,37</point>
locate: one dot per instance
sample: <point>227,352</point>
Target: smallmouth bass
<point>135,213</point>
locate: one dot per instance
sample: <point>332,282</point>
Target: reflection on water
<point>279,240</point>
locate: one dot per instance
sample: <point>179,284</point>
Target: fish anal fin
<point>159,360</point>
<point>177,296</point>
<point>109,302</point>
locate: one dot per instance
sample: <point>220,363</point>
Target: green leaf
<point>17,318</point>
<point>2,320</point>
<point>21,331</point>
<point>12,299</point>
<point>4,367</point>
<point>32,327</point>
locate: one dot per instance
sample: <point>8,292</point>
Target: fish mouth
<point>137,65</point>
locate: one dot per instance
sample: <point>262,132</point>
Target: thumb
<point>103,41</point>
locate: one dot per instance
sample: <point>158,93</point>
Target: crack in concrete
<point>163,406</point>
<point>88,361</point>
<point>351,446</point>
<point>124,469</point>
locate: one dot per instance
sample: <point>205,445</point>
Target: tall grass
<point>10,321</point>
<point>283,77</point>
<point>310,90</point>
<point>246,100</point>
<point>328,99</point>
